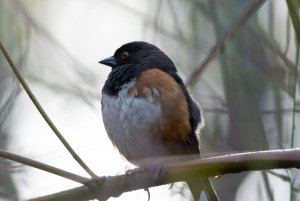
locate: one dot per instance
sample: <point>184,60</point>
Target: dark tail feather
<point>198,185</point>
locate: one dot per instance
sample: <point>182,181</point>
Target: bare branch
<point>281,176</point>
<point>43,113</point>
<point>42,166</point>
<point>207,167</point>
<point>220,45</point>
<point>266,181</point>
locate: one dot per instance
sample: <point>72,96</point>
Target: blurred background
<point>249,92</point>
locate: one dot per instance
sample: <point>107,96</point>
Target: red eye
<point>124,55</point>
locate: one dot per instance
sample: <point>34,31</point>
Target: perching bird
<point>147,110</point>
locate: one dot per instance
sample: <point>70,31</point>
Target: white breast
<point>130,121</point>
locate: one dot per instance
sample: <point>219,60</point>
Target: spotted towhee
<point>147,110</point>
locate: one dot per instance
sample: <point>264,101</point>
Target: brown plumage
<point>168,93</point>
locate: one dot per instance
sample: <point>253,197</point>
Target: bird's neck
<point>118,77</point>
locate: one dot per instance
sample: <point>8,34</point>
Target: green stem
<point>293,9</point>
<point>294,99</point>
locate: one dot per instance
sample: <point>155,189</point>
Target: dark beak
<point>110,61</point>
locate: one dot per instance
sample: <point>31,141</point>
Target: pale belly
<point>132,124</point>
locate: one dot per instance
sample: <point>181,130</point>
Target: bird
<point>148,112</point>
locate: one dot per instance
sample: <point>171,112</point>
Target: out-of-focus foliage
<point>247,92</point>
<point>25,40</point>
<point>16,38</point>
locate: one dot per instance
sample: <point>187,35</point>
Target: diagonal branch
<point>220,45</point>
<point>43,113</point>
<point>42,166</point>
<point>207,167</point>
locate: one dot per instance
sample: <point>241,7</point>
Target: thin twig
<point>288,35</point>
<point>220,45</point>
<point>293,12</point>
<point>176,21</point>
<point>295,99</point>
<point>267,186</point>
<point>292,7</point>
<point>285,178</point>
<point>18,7</point>
<point>206,167</point>
<point>43,113</point>
<point>43,166</point>
<point>279,175</point>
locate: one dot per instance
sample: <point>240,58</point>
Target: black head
<point>130,60</point>
<point>139,54</point>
